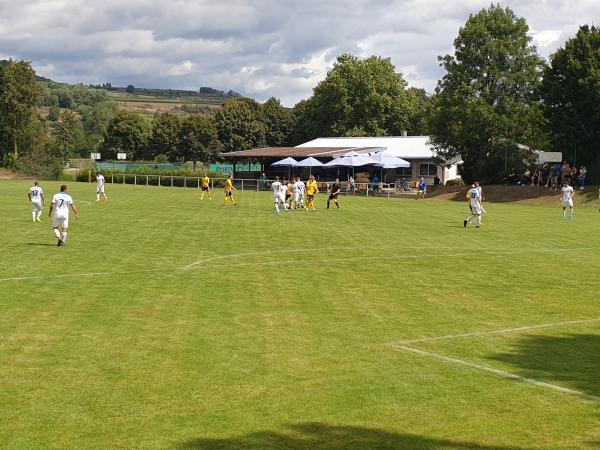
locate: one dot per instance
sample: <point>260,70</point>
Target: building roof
<point>298,152</point>
<point>411,147</point>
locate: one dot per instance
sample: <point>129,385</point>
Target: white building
<point>415,149</point>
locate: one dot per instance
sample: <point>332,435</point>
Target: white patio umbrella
<point>352,161</point>
<point>286,162</point>
<point>309,162</point>
<point>385,161</point>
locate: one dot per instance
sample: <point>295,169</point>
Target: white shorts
<point>476,209</point>
<point>36,206</point>
<point>280,198</point>
<point>61,222</point>
<point>100,189</point>
<point>568,203</point>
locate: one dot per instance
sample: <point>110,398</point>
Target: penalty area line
<point>497,372</point>
<point>500,331</point>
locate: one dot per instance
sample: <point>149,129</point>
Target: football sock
<point>63,236</point>
<point>33,213</point>
<point>478,220</point>
<point>276,208</point>
<point>337,204</point>
<point>56,233</point>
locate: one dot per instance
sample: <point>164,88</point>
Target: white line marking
<point>501,331</point>
<point>498,372</point>
<point>267,252</point>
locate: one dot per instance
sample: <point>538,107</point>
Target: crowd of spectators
<point>550,176</point>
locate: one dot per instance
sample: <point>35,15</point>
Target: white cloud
<point>260,48</point>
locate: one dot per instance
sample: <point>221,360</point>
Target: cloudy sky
<point>260,48</point>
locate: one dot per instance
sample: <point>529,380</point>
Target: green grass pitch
<point>167,322</point>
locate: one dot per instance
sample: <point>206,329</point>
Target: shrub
<point>455,182</point>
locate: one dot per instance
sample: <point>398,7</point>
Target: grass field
<point>167,322</point>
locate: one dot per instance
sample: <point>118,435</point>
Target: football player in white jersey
<point>276,187</point>
<point>300,189</point>
<point>60,205</point>
<point>567,199</point>
<point>36,197</point>
<point>100,187</point>
<point>474,196</point>
<point>282,192</point>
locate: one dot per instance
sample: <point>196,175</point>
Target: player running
<point>60,205</point>
<point>100,187</point>
<point>312,189</point>
<point>229,188</point>
<point>205,182</point>
<point>336,188</point>
<point>567,199</point>
<point>475,203</point>
<point>36,197</point>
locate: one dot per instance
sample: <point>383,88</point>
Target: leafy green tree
<point>365,95</point>
<point>67,136</point>
<point>571,92</point>
<point>54,113</point>
<point>126,133</point>
<point>198,139</point>
<point>130,89</point>
<point>488,101</point>
<point>239,124</point>
<point>165,136</point>
<point>278,121</point>
<point>20,95</point>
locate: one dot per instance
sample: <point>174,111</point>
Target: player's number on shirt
<point>61,202</point>
<point>34,193</point>
<point>473,195</point>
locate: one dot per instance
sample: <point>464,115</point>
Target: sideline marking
<point>498,372</point>
<point>501,331</point>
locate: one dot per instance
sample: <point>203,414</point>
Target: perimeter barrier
<point>248,184</point>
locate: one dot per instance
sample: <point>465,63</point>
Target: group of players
<point>475,199</point>
<point>287,195</point>
<point>299,195</point>
<point>62,203</point>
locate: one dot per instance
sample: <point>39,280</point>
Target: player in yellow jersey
<point>312,188</point>
<point>289,195</point>
<point>205,187</point>
<point>229,188</point>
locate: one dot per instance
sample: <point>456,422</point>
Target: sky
<point>260,48</point>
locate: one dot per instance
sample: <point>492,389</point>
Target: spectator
<point>262,182</point>
<point>352,185</point>
<point>436,180</point>
<point>582,176</point>
<point>375,183</point>
<point>535,178</point>
<point>566,172</point>
<point>512,177</point>
<point>553,178</point>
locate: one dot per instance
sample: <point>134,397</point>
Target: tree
<point>20,94</point>
<point>130,89</point>
<point>54,113</point>
<point>165,136</point>
<point>125,134</point>
<point>488,101</point>
<point>571,92</point>
<point>239,124</point>
<point>67,136</point>
<point>278,122</point>
<point>360,95</point>
<point>198,139</point>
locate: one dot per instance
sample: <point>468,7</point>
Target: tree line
<point>497,96</point>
